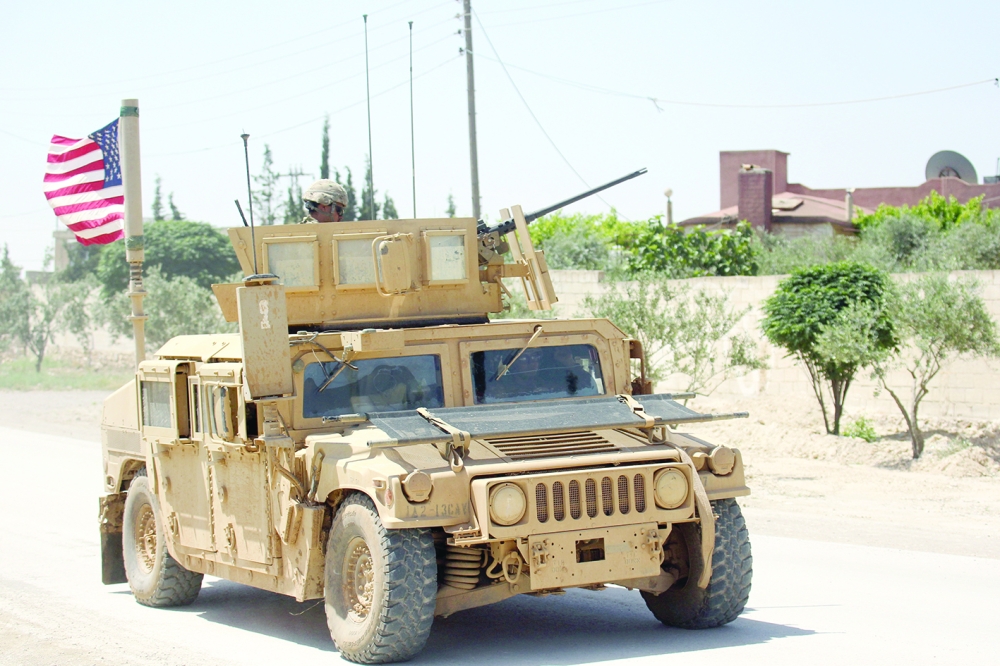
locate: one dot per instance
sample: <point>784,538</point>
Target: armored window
<point>445,257</point>
<point>220,411</point>
<point>352,260</point>
<point>196,407</point>
<point>294,260</point>
<point>155,404</point>
<point>540,373</point>
<point>377,385</point>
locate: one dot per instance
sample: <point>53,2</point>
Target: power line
<point>532,113</point>
<point>297,39</point>
<point>660,100</point>
<point>229,144</point>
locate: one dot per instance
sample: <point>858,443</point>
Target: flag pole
<point>128,140</point>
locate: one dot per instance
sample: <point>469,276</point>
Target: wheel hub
<point>145,538</point>
<point>359,580</point>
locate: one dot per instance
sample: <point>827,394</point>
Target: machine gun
<point>506,226</point>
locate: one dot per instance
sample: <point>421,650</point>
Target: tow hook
<point>539,556</point>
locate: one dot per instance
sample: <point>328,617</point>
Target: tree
<point>681,333</point>
<point>368,197</point>
<point>175,213</point>
<point>157,207</point>
<point>814,309</point>
<point>351,210</point>
<point>936,320</point>
<point>13,301</point>
<point>175,306</point>
<point>324,155</point>
<point>450,210</point>
<point>389,209</point>
<point>193,249</point>
<point>31,315</point>
<point>83,261</point>
<point>265,197</point>
<point>295,210</point>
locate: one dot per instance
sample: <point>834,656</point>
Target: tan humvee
<point>371,438</point>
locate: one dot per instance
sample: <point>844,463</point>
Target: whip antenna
<point>253,241</point>
<point>368,95</point>
<point>413,150</point>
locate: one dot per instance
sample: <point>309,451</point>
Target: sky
<point>569,94</point>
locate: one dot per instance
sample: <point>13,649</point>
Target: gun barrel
<point>508,225</point>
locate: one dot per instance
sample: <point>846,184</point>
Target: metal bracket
<point>457,448</point>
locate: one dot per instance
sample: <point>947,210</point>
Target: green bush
<point>861,428</point>
<point>175,306</point>
<point>835,319</point>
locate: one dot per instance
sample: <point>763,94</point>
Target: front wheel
<point>155,577</point>
<point>691,607</point>
<point>381,585</point>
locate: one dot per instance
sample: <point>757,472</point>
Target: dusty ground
<point>806,484</point>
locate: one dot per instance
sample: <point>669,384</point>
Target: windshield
<point>541,373</point>
<point>378,385</point>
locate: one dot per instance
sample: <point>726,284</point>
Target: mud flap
<point>112,557</point>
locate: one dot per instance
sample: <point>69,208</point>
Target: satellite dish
<point>948,163</point>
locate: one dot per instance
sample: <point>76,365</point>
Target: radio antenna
<point>368,95</point>
<point>253,241</point>
<point>413,150</point>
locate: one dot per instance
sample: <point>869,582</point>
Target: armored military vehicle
<point>371,438</point>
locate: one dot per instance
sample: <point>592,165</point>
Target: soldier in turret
<point>325,200</point>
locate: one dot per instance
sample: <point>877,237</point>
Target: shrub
<point>861,428</point>
<point>834,319</point>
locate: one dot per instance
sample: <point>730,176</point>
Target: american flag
<point>83,183</point>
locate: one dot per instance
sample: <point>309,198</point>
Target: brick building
<point>753,186</point>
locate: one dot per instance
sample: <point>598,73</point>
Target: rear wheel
<point>155,577</point>
<point>381,585</point>
<point>691,607</point>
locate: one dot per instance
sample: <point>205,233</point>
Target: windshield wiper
<point>505,367</point>
<point>344,363</point>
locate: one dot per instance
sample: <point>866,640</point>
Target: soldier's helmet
<point>326,193</point>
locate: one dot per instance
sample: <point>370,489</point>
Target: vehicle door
<point>239,472</point>
<point>179,458</point>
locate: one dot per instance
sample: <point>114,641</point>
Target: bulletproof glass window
<point>378,385</point>
<point>220,411</point>
<point>294,262</point>
<point>155,404</point>
<point>354,261</point>
<point>447,257</point>
<point>540,373</point>
<point>196,407</point>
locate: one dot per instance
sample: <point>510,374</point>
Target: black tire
<point>381,585</point>
<point>155,577</point>
<point>691,607</point>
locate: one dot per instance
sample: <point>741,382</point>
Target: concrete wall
<point>964,388</point>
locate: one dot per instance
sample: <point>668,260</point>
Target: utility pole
<point>413,149</point>
<point>471,83</point>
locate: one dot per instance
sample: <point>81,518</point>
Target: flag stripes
<point>83,185</point>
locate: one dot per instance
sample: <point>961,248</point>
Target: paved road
<point>812,602</point>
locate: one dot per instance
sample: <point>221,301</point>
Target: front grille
<point>617,495</point>
<point>556,444</point>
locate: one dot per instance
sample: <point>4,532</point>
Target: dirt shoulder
<point>805,484</point>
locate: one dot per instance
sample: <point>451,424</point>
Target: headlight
<point>670,488</point>
<point>507,504</point>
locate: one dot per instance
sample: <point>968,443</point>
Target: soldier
<point>325,200</point>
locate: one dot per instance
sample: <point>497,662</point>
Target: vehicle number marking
<point>264,307</point>
<point>451,510</point>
